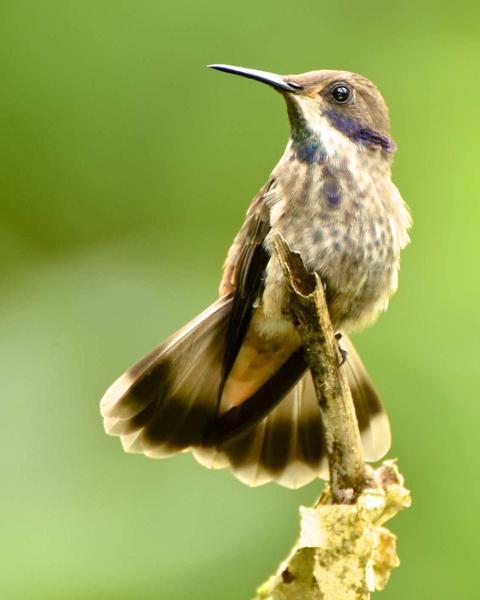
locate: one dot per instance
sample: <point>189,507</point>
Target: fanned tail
<point>288,445</point>
<point>170,402</point>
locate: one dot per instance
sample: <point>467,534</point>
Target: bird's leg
<point>343,352</point>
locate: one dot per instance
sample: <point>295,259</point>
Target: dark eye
<point>341,93</point>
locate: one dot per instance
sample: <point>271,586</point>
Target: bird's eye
<point>341,93</point>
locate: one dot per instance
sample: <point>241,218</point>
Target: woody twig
<point>343,552</point>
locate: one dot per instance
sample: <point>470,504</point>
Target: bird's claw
<point>343,352</point>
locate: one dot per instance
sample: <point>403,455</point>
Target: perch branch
<point>343,552</point>
<point>348,472</point>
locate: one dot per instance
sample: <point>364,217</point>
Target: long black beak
<point>272,79</point>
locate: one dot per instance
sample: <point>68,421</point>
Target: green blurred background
<point>126,168</point>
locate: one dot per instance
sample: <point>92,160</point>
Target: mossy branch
<point>343,552</point>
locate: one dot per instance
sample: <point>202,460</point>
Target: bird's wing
<point>243,273</point>
<point>239,256</point>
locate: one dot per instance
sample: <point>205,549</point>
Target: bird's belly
<point>357,295</point>
<point>360,275</point>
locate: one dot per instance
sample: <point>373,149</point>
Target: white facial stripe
<point>333,141</point>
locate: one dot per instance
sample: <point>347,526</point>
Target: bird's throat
<point>319,136</point>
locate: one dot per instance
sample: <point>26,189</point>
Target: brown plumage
<point>233,385</point>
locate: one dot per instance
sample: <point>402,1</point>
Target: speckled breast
<point>341,218</point>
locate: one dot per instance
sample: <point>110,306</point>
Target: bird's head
<point>329,106</point>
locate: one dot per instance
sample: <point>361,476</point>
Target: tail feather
<point>372,418</point>
<point>287,446</point>
<point>169,402</point>
<point>168,398</point>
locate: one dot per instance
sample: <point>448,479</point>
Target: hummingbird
<point>233,385</point>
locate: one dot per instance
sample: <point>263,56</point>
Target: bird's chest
<point>339,221</point>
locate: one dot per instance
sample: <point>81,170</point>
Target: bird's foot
<point>343,352</point>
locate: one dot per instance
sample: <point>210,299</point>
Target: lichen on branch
<point>343,552</point>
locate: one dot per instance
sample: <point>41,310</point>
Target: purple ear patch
<point>354,130</point>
